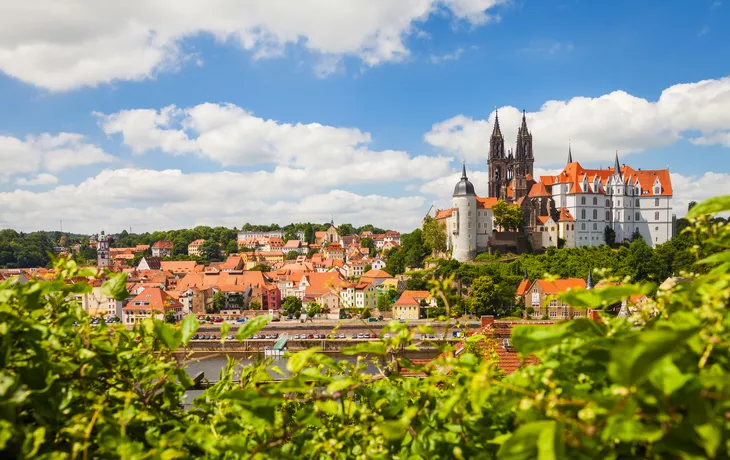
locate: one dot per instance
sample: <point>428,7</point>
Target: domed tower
<point>465,233</point>
<point>102,251</point>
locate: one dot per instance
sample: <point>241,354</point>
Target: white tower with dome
<point>464,235</point>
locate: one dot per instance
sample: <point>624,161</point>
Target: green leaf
<point>537,440</point>
<point>528,339</point>
<point>710,438</point>
<point>371,348</point>
<point>606,295</point>
<point>637,354</point>
<point>116,286</point>
<point>251,327</point>
<point>667,377</point>
<point>630,430</point>
<point>711,206</point>
<point>225,329</point>
<point>297,361</point>
<point>167,335</point>
<point>720,257</point>
<point>188,327</point>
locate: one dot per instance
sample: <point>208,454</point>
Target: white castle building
<point>574,206</point>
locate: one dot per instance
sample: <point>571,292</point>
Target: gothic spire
<point>463,170</point>
<point>570,154</point>
<point>497,131</point>
<point>617,166</point>
<point>523,128</point>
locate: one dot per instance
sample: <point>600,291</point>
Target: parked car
<point>230,337</point>
<point>196,336</point>
<point>387,335</point>
<point>290,317</point>
<point>354,336</point>
<point>310,336</point>
<point>373,336</point>
<point>240,320</point>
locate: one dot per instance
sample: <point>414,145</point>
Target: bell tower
<point>497,161</point>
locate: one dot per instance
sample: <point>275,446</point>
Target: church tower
<point>523,160</point>
<point>497,161</point>
<point>102,251</point>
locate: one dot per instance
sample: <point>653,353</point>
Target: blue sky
<point>359,110</point>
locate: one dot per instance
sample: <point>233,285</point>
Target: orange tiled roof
<point>486,202</point>
<point>410,298</point>
<point>444,213</point>
<point>377,274</point>
<point>562,285</point>
<point>543,219</point>
<point>154,299</point>
<point>523,287</point>
<point>538,190</point>
<point>183,266</point>
<point>565,216</point>
<point>163,244</point>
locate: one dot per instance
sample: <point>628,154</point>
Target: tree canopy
<point>507,216</point>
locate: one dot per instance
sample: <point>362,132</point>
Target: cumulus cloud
<point>52,152</point>
<point>599,126</point>
<point>154,200</point>
<point>38,179</point>
<point>231,136</point>
<point>66,45</point>
<point>697,188</point>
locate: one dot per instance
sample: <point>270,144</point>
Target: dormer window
<point>657,190</point>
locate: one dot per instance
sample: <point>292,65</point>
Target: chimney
<point>487,320</point>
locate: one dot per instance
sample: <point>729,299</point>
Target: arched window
<point>656,215</point>
<point>582,213</point>
<point>582,200</point>
<point>637,216</point>
<point>583,226</point>
<point>637,202</point>
<point>595,201</point>
<point>656,201</point>
<point>608,215</point>
<point>618,216</point>
<point>595,213</point>
<point>595,226</point>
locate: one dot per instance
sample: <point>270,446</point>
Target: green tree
<point>384,302</point>
<point>367,243</point>
<point>254,305</point>
<point>219,302</point>
<point>367,268</point>
<point>485,294</point>
<point>507,216</point>
<point>211,250</point>
<point>345,230</point>
<point>292,306</point>
<point>309,233</point>
<point>366,313</point>
<point>434,234</point>
<point>609,236</point>
<point>63,241</point>
<point>292,255</point>
<point>313,308</point>
<point>232,247</point>
<point>260,268</point>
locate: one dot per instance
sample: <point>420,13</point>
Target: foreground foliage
<point>656,385</point>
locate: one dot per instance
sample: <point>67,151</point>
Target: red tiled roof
<point>410,298</point>
<point>153,298</point>
<point>377,274</point>
<point>162,244</point>
<point>444,213</point>
<point>523,287</point>
<point>565,216</point>
<point>562,285</point>
<point>486,202</point>
<point>538,190</point>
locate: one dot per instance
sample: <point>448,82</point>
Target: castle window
<point>656,201</point>
<point>637,216</point>
<point>619,203</point>
<point>637,202</point>
<point>595,201</point>
<point>595,226</point>
<point>657,190</point>
<point>582,213</point>
<point>656,228</point>
<point>583,226</point>
<point>595,213</point>
<point>608,203</point>
<point>582,200</point>
<point>656,215</point>
<point>618,216</point>
<point>608,215</point>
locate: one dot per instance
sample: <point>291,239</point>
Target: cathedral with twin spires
<point>570,209</point>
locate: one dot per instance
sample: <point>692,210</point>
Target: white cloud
<point>52,152</point>
<point>599,126</point>
<point>697,188</point>
<point>64,44</point>
<point>38,179</point>
<point>231,136</point>
<point>439,58</point>
<point>154,200</point>
<point>444,186</point>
